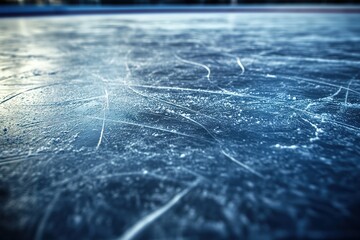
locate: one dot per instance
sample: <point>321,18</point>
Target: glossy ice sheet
<point>170,127</point>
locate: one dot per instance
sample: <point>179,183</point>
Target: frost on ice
<point>163,127</point>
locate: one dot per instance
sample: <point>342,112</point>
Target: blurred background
<point>144,2</point>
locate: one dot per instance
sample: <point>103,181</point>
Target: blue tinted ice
<point>184,126</point>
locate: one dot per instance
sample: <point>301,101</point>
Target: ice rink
<point>180,126</point>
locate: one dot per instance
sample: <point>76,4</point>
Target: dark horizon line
<point>65,10</point>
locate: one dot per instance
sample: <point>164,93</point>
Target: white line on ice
<point>44,219</point>
<point>148,219</point>
<point>104,119</point>
<point>196,64</point>
<point>242,165</point>
<point>240,65</point>
<point>347,92</point>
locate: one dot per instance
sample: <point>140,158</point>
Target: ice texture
<point>212,126</point>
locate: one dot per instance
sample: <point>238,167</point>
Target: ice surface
<point>209,126</point>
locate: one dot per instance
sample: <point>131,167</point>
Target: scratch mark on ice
<point>270,76</point>
<point>341,124</point>
<point>128,71</point>
<point>347,92</point>
<point>240,65</point>
<point>151,127</point>
<point>104,119</point>
<point>242,165</point>
<point>25,91</point>
<point>196,64</point>
<point>285,146</point>
<point>200,125</point>
<point>317,130</point>
<point>44,219</point>
<point>225,93</point>
<point>297,79</point>
<point>12,161</point>
<point>337,92</point>
<point>169,103</point>
<point>148,219</point>
<point>344,125</point>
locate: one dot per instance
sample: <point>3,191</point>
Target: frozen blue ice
<point>213,126</point>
